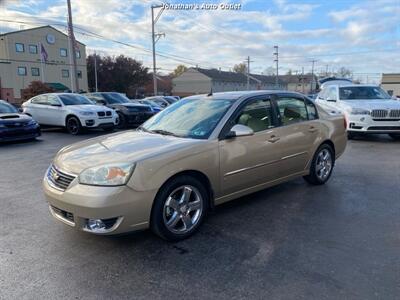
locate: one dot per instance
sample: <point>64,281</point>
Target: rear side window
<point>311,111</point>
<point>292,110</point>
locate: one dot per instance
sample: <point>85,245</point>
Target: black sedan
<point>129,113</point>
<point>15,126</point>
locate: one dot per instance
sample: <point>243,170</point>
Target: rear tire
<point>321,166</point>
<point>179,208</point>
<point>73,125</point>
<point>395,136</point>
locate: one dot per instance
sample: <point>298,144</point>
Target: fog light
<point>362,119</point>
<point>96,225</point>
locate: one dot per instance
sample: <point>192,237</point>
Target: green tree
<point>119,74</point>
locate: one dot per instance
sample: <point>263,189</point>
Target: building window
<point>78,54</point>
<point>63,52</point>
<point>65,73</point>
<point>33,49</point>
<point>35,72</point>
<point>19,47</point>
<point>79,74</point>
<point>22,71</point>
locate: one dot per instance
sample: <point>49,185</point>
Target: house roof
<point>35,28</point>
<point>225,76</point>
<point>299,78</point>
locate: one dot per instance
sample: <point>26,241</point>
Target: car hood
<point>372,104</point>
<point>88,107</point>
<point>128,146</point>
<point>14,117</point>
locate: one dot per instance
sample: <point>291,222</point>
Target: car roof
<point>240,94</point>
<point>355,85</point>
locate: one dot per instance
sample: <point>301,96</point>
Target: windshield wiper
<point>164,132</point>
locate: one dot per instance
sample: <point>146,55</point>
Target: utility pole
<point>248,72</point>
<point>326,70</point>
<point>95,70</point>
<point>302,79</point>
<point>72,46</point>
<point>312,75</point>
<point>276,60</point>
<point>155,37</point>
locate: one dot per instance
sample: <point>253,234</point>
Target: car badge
<point>55,176</point>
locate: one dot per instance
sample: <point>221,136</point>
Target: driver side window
<point>257,114</point>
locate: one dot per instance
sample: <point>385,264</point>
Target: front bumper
<point>98,122</point>
<point>20,133</point>
<point>366,124</point>
<point>122,207</point>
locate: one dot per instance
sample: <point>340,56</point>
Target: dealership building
<point>38,54</point>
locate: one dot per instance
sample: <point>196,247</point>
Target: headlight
<point>32,122</point>
<point>86,113</point>
<point>109,175</point>
<point>359,111</point>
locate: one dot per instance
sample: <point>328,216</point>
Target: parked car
<point>72,111</point>
<point>129,113</point>
<point>170,99</point>
<point>161,101</point>
<point>154,106</point>
<point>367,108</point>
<point>15,126</point>
<point>197,153</point>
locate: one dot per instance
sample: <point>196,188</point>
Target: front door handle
<point>312,129</point>
<point>274,139</point>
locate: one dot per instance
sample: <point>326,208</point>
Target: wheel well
<point>330,143</point>
<point>70,116</point>
<point>200,177</point>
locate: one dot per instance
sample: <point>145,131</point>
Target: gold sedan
<point>199,152</point>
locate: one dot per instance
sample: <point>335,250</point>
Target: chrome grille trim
<point>395,113</point>
<point>58,179</point>
<point>379,113</point>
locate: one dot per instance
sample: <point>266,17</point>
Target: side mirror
<point>330,99</point>
<point>56,104</point>
<point>20,110</point>
<point>239,130</point>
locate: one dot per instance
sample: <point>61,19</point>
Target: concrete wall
<point>10,60</point>
<point>391,83</point>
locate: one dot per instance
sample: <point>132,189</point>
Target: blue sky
<point>363,36</point>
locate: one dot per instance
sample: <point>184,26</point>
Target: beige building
<point>202,81</point>
<point>20,61</point>
<point>300,83</point>
<point>391,83</point>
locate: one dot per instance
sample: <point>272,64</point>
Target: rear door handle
<point>273,139</point>
<point>312,129</point>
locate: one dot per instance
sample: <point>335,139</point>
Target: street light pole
<point>276,60</point>
<point>154,41</point>
<point>95,70</point>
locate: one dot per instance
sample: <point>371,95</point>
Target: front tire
<point>121,124</point>
<point>395,136</point>
<point>73,125</point>
<point>321,165</point>
<point>179,208</point>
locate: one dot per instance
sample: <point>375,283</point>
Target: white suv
<point>72,111</point>
<point>367,108</point>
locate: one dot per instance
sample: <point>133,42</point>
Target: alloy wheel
<point>73,126</point>
<point>323,164</point>
<point>183,209</point>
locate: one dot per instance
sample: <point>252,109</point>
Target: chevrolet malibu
<point>199,152</point>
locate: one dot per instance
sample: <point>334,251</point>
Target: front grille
<point>58,179</point>
<point>108,113</point>
<point>140,109</point>
<point>15,125</point>
<point>394,114</point>
<point>379,113</point>
<point>101,113</point>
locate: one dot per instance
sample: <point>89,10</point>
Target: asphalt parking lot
<point>293,241</point>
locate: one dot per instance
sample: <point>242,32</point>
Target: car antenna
<point>210,94</point>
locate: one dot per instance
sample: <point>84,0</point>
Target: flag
<point>43,53</point>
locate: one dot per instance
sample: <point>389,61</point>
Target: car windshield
<point>191,118</point>
<point>115,98</point>
<point>170,99</point>
<point>6,108</point>
<point>74,99</point>
<point>150,102</point>
<point>362,93</point>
